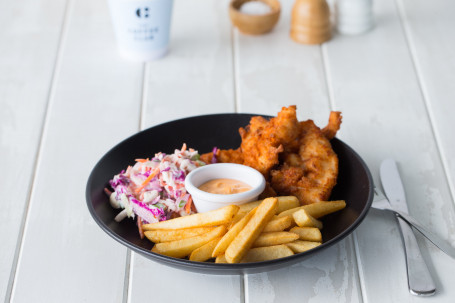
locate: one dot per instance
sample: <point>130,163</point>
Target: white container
<point>141,27</point>
<point>204,201</point>
<point>353,17</point>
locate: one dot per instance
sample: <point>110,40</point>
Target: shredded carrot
<point>188,205</point>
<point>142,160</point>
<point>139,227</point>
<point>193,208</point>
<point>183,147</point>
<point>149,178</point>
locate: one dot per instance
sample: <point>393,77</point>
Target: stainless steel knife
<point>420,281</point>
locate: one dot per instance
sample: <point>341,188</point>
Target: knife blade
<point>420,282</point>
<point>393,187</point>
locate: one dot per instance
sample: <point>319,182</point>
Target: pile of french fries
<point>257,231</point>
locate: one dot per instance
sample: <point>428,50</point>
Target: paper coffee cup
<point>142,27</point>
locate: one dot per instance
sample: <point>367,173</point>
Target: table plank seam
<point>243,286</point>
<point>129,260</point>
<point>328,79</point>
<point>421,82</point>
<point>235,68</point>
<point>236,88</point>
<point>358,266</point>
<point>127,286</point>
<point>245,283</point>
<point>44,126</point>
<point>143,107</point>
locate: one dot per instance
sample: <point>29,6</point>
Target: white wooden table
<point>66,97</point>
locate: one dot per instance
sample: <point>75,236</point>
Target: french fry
<point>289,212</point>
<point>279,224</point>
<point>299,246</point>
<point>303,219</point>
<point>182,248</point>
<point>231,234</point>
<point>211,218</point>
<point>221,259</point>
<point>238,216</point>
<point>256,231</point>
<point>307,233</point>
<point>247,207</point>
<point>261,254</point>
<point>323,208</point>
<point>284,203</point>
<point>267,253</point>
<point>240,245</point>
<point>275,238</point>
<point>204,252</point>
<point>318,209</point>
<point>166,235</point>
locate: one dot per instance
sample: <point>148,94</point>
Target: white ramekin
<point>204,201</point>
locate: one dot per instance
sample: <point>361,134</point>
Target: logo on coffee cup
<point>142,12</point>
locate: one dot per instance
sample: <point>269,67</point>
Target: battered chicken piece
<point>334,125</point>
<point>268,191</point>
<point>207,157</point>
<point>296,158</point>
<point>224,156</point>
<point>286,128</point>
<point>263,140</point>
<point>310,175</point>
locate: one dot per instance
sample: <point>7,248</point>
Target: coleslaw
<point>153,189</point>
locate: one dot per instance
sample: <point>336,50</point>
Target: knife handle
<point>420,281</point>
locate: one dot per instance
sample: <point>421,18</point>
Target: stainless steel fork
<point>380,202</point>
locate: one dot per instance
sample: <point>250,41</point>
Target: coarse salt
<point>255,8</point>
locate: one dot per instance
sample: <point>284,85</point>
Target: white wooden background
<point>66,97</point>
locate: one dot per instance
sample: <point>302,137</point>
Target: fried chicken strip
<point>263,140</point>
<point>224,156</point>
<point>334,125</point>
<point>296,158</point>
<point>311,174</point>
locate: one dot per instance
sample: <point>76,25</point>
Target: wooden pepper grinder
<point>310,22</point>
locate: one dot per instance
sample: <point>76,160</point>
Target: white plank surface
<point>176,285</point>
<point>28,49</point>
<point>374,82</point>
<point>65,256</point>
<point>429,26</point>
<point>273,71</point>
<point>330,276</point>
<point>195,78</point>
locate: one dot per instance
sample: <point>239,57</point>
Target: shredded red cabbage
<point>214,151</point>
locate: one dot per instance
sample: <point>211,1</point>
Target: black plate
<point>355,185</point>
